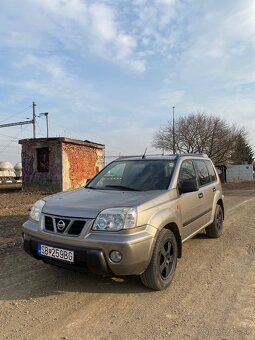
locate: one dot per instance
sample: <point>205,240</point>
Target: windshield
<point>136,175</point>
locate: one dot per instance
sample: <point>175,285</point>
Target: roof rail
<point>177,155</point>
<point>130,156</point>
<point>193,155</point>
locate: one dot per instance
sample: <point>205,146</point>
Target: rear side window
<point>211,171</point>
<point>202,171</point>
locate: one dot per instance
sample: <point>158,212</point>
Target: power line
<point>14,139</point>
<point>7,136</point>
<point>32,121</point>
<point>17,123</point>
<point>14,114</point>
<point>6,146</point>
<point>40,130</point>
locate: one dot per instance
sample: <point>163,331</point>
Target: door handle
<point>200,195</point>
<point>214,189</point>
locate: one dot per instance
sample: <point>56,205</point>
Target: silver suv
<point>130,219</point>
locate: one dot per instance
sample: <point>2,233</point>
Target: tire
<point>161,269</point>
<point>216,228</point>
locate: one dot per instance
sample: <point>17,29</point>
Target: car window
<point>202,171</point>
<point>187,172</point>
<point>211,171</point>
<point>113,175</point>
<point>117,171</point>
<point>141,175</point>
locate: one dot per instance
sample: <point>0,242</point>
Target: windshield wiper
<point>121,187</point>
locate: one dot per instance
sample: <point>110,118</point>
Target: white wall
<point>240,172</point>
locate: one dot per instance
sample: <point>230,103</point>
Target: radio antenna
<point>144,153</point>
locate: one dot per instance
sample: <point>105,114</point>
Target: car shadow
<point>24,278</point>
<point>201,236</point>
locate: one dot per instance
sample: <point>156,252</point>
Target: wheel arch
<point>174,228</point>
<point>220,202</point>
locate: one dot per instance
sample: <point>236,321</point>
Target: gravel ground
<point>212,295</point>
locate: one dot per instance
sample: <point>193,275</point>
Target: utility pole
<point>31,121</point>
<point>34,121</point>
<point>47,123</point>
<point>173,133</point>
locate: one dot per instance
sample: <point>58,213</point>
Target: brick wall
<point>80,163</point>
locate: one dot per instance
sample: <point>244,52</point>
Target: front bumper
<point>85,259</point>
<point>92,251</point>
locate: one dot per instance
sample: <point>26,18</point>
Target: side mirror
<point>188,185</point>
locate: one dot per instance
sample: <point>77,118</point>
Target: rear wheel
<point>160,271</point>
<point>215,229</point>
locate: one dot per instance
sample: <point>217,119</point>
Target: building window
<point>43,160</point>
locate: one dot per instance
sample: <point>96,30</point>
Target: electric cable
<point>14,114</point>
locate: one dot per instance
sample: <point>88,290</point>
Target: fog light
<point>115,256</point>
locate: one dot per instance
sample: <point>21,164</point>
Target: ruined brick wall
<point>80,163</point>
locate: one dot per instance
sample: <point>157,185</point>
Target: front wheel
<point>215,229</point>
<point>160,271</point>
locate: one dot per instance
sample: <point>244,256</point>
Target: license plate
<point>56,253</point>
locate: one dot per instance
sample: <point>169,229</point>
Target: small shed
<point>59,164</point>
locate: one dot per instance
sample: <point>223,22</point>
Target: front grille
<point>48,223</point>
<point>76,227</point>
<point>63,226</point>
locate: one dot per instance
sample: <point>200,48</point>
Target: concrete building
<point>58,164</point>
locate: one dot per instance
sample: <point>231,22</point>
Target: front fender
<point>164,217</point>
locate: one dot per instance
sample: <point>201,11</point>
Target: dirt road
<point>212,295</point>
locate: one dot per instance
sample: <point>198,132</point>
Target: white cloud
<point>98,29</point>
<point>50,80</point>
<point>103,22</point>
<point>109,41</point>
<point>83,26</point>
<point>154,25</point>
<point>75,10</point>
<point>204,49</point>
<point>165,2</point>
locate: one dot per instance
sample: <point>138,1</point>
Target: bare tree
<point>200,133</point>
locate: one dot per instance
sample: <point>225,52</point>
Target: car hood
<point>87,203</point>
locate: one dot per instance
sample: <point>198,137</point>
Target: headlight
<point>36,210</point>
<point>115,219</point>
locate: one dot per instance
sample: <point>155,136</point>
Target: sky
<point>110,71</point>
